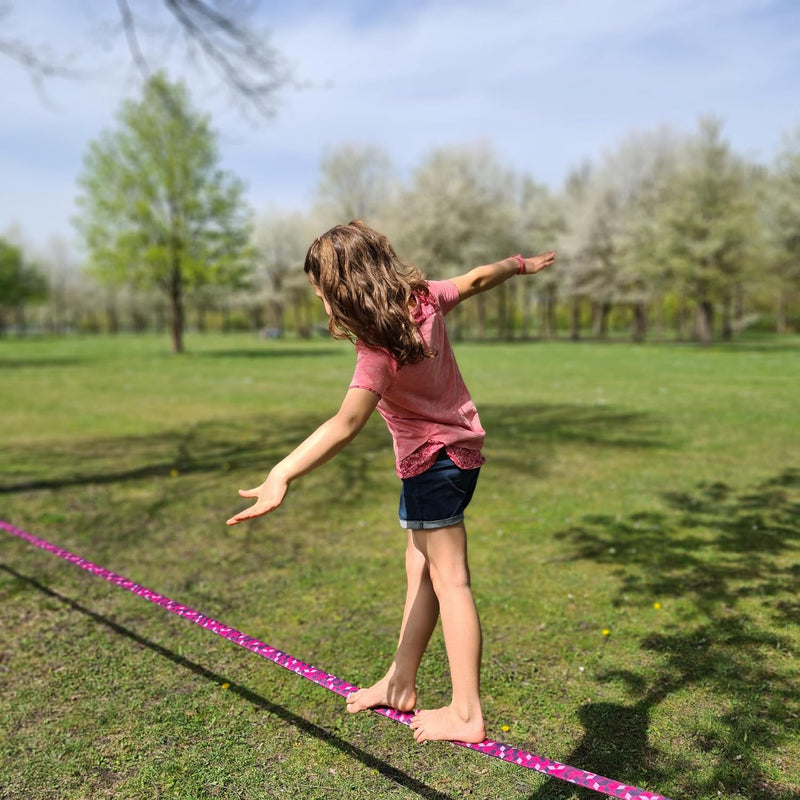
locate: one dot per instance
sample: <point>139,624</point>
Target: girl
<point>406,369</point>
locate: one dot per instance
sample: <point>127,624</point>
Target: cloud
<point>550,84</point>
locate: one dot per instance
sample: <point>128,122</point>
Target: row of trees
<point>675,227</point>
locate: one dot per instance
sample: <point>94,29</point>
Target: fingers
<point>268,496</point>
<point>248,513</point>
<point>540,262</point>
<point>241,516</point>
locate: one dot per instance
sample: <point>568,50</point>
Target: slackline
<point>505,752</point>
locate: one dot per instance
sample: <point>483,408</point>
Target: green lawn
<point>634,547</point>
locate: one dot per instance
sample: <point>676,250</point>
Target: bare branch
<point>238,52</point>
<point>129,26</point>
<point>234,48</point>
<point>38,61</point>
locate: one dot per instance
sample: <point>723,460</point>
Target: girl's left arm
<point>481,279</point>
<point>322,445</point>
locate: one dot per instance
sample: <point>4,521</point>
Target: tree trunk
<point>480,304</point>
<point>112,316</point>
<point>680,319</point>
<point>550,307</point>
<point>276,314</point>
<point>727,324</point>
<point>504,322</point>
<point>176,307</point>
<point>545,332</point>
<point>639,322</point>
<point>456,323</point>
<point>302,317</point>
<point>600,312</point>
<point>659,326</point>
<point>575,320</point>
<point>738,303</point>
<point>704,322</point>
<point>780,312</point>
<point>527,313</point>
<point>139,321</point>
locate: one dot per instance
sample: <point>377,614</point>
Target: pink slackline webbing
<point>554,769</point>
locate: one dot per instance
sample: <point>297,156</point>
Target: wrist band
<point>521,260</point>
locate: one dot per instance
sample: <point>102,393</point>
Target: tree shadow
<point>391,773</point>
<point>270,352</point>
<point>39,363</point>
<point>138,470</point>
<point>203,447</point>
<point>257,442</point>
<point>614,744</point>
<point>728,556</point>
<point>608,426</point>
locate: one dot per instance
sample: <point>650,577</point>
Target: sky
<point>549,84</point>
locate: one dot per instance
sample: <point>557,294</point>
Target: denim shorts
<point>437,498</point>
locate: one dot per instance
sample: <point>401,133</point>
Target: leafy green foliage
<point>156,210</point>
<point>20,281</point>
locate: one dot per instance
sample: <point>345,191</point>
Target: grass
<point>634,548</point>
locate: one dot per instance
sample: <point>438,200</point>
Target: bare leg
<point>397,688</point>
<point>462,720</point>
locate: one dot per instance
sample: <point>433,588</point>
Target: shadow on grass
<point>308,728</point>
<point>210,458</point>
<point>39,363</point>
<point>730,557</point>
<point>216,446</point>
<point>270,352</point>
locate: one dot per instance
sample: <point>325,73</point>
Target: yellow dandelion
<point>606,632</point>
<point>505,728</point>
<point>226,686</point>
<point>656,605</point>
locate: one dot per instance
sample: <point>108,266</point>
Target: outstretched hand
<point>268,496</point>
<point>538,263</point>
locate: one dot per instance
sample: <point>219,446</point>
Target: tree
<point>641,170</point>
<point>20,282</point>
<point>220,34</point>
<point>709,218</point>
<point>540,223</point>
<point>460,211</point>
<point>781,213</point>
<point>156,210</point>
<point>280,242</point>
<point>612,251</point>
<point>355,182</point>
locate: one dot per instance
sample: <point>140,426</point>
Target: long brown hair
<point>369,290</point>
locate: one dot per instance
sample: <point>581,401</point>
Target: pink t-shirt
<point>426,405</point>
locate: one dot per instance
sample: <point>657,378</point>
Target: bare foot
<point>445,723</point>
<point>386,692</point>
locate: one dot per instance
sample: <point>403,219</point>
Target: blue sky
<point>549,84</point>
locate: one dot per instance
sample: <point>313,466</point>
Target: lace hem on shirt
<point>425,456</point>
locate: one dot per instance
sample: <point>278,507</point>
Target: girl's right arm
<point>481,279</point>
<point>331,437</point>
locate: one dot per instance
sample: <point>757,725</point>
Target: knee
<point>450,579</point>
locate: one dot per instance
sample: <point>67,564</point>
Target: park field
<point>635,554</point>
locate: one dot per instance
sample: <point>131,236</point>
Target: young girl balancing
<point>406,368</point>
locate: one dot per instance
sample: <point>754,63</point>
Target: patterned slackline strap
<point>554,769</point>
